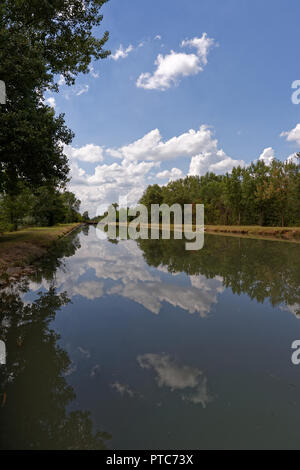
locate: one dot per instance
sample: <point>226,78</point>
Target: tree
<point>14,208</point>
<point>31,146</point>
<point>233,194</point>
<point>85,216</point>
<point>60,33</point>
<point>71,207</point>
<point>48,208</point>
<point>258,194</point>
<point>40,39</point>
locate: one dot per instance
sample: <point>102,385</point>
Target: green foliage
<point>255,195</point>
<point>44,207</point>
<point>40,40</point>
<point>85,216</point>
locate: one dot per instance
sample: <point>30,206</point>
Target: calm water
<point>142,345</point>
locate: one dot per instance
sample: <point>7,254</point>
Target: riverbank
<point>18,250</point>
<point>288,234</point>
<point>256,231</point>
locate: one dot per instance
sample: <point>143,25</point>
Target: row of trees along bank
<point>259,194</point>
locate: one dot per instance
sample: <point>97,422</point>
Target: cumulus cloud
<point>88,153</point>
<point>123,173</point>
<point>122,53</point>
<point>137,159</point>
<point>293,135</point>
<point>267,155</point>
<point>108,182</point>
<point>170,68</point>
<point>176,65</point>
<point>216,162</point>
<point>152,147</point>
<point>171,175</point>
<point>210,157</point>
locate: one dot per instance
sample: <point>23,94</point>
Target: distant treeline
<point>44,206</point>
<point>259,194</point>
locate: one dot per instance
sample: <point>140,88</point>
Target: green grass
<point>21,247</point>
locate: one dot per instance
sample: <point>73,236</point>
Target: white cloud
<point>151,146</point>
<point>85,352</point>
<point>293,159</point>
<point>123,389</point>
<point>83,89</point>
<point>152,295</point>
<point>175,376</point>
<point>88,153</point>
<point>157,37</point>
<point>129,177</point>
<point>169,373</point>
<point>61,80</point>
<point>176,65</point>
<point>171,175</point>
<point>122,53</point>
<point>170,68</point>
<point>267,155</point>
<point>293,135</point>
<point>200,145</point>
<point>109,182</point>
<point>214,161</point>
<point>50,101</point>
<point>90,290</point>
<point>92,72</point>
<point>122,173</point>
<point>294,309</point>
<point>203,46</point>
<point>95,371</point>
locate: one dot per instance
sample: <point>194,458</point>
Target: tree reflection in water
<point>262,269</point>
<point>34,394</point>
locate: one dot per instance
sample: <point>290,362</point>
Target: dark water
<point>143,345</point>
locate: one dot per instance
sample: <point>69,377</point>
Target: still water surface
<point>143,345</point>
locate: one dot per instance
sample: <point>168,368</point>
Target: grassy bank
<point>256,231</point>
<point>19,249</point>
<point>291,234</point>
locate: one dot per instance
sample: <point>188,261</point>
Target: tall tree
<point>40,40</point>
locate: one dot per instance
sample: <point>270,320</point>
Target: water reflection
<point>34,393</point>
<point>177,377</point>
<point>158,343</point>
<point>125,266</point>
<point>261,269</point>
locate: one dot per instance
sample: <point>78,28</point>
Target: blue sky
<point>217,100</point>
